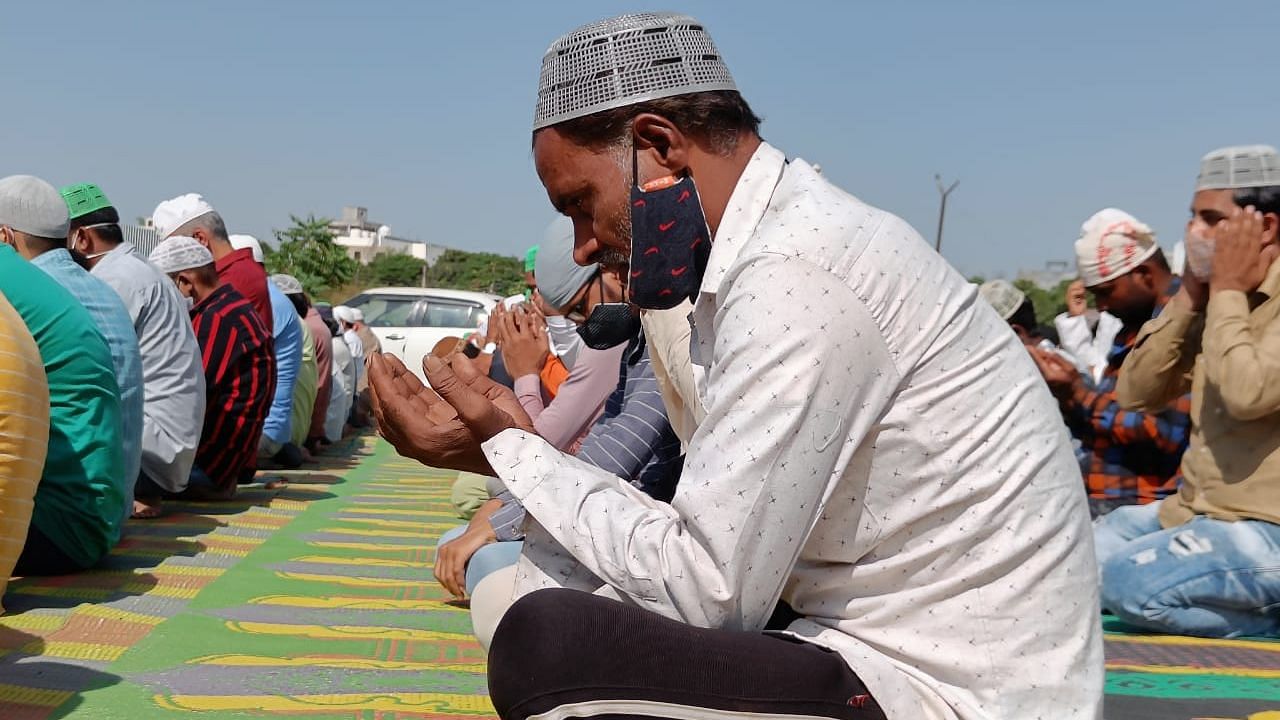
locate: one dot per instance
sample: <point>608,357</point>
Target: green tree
<point>1048,303</point>
<point>394,269</point>
<point>486,272</point>
<point>307,251</point>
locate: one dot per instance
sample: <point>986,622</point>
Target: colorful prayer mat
<point>311,601</point>
<point>317,601</point>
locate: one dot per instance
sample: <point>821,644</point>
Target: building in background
<point>142,237</point>
<point>365,239</point>
<point>1051,275</point>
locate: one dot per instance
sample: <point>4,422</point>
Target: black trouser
<point>563,653</point>
<point>40,556</point>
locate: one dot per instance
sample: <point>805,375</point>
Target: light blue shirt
<point>288,348</point>
<point>172,373</point>
<point>113,320</point>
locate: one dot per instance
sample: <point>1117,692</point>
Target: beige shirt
<point>1229,358</point>
<point>668,334</point>
<point>878,451</point>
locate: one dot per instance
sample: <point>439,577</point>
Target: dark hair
<point>1025,316</point>
<point>110,234</point>
<point>43,244</point>
<point>716,117</point>
<point>299,303</point>
<point>1265,199</point>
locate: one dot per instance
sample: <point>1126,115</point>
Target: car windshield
<point>417,311</point>
<point>385,310</point>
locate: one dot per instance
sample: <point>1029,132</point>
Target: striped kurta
<point>239,373</point>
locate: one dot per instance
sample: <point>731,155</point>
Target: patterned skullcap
<point>178,253</point>
<point>288,284</point>
<point>1003,296</point>
<point>1112,243</point>
<point>1243,166</point>
<point>626,60</point>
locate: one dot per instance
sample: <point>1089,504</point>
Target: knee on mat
<point>539,625</point>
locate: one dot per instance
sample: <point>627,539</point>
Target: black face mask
<point>670,241</point>
<point>609,325</point>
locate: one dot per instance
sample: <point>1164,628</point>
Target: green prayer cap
<point>529,258</point>
<point>83,199</point>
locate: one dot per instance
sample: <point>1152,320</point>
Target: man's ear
<point>200,236</point>
<point>661,148</point>
<point>1270,229</point>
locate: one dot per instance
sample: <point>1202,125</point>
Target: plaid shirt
<point>1127,457</point>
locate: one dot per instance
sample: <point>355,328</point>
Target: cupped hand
<point>419,423</point>
<point>1237,255</point>
<point>483,406</point>
<point>523,339</point>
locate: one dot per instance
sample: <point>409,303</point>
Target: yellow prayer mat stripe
<point>379,522</point>
<point>1192,670</point>
<point>33,622</point>
<point>336,662</point>
<point>180,592</point>
<point>107,613</point>
<point>368,547</point>
<point>347,632</point>
<point>414,496</point>
<point>344,580</point>
<point>82,651</point>
<point>399,511</point>
<point>187,570</point>
<point>1204,642</point>
<point>438,703</point>
<point>34,696</point>
<point>373,562</point>
<point>353,603</point>
<point>375,533</point>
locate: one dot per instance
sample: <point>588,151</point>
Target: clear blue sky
<point>420,110</point>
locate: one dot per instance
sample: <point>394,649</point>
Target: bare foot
<point>147,508</point>
<point>276,483</point>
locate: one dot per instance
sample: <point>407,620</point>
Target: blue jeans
<point>1209,578</point>
<point>488,559</point>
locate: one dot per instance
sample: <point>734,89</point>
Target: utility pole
<point>942,210</point>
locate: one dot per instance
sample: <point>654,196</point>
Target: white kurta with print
<point>878,451</point>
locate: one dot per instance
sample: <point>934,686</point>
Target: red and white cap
<point>1112,243</point>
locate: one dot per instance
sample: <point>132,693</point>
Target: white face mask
<point>1199,255</point>
<point>564,337</point>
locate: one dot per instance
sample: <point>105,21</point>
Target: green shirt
<point>79,503</point>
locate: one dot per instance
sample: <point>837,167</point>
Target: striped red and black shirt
<point>240,378</point>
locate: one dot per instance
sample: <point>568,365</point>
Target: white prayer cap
<point>357,315</point>
<point>178,253</point>
<point>1112,243</point>
<point>626,60</point>
<point>176,212</point>
<point>27,205</point>
<point>288,284</point>
<point>1243,166</point>
<point>559,277</point>
<point>1003,296</point>
<point>343,313</point>
<point>241,242</point>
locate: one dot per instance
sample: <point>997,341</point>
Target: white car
<point>410,321</point>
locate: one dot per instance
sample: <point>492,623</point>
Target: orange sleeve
<point>553,373</point>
